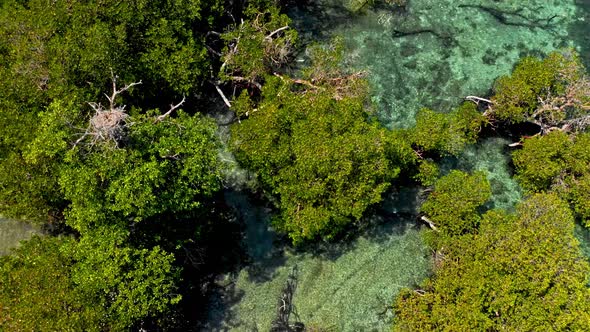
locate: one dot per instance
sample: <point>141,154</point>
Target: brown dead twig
<point>567,112</point>
<point>343,86</point>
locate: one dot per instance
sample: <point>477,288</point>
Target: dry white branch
<point>270,35</point>
<point>429,222</point>
<point>172,109</point>
<point>243,79</point>
<point>477,100</point>
<point>225,100</point>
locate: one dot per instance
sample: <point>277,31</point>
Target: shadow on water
<point>356,276</point>
<point>263,246</point>
<point>315,19</point>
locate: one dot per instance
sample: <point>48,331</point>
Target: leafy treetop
<point>520,271</point>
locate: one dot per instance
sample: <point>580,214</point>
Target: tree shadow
<point>221,316</point>
<point>263,247</point>
<point>396,215</point>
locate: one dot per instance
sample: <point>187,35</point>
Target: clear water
<point>431,55</point>
<point>492,156</point>
<point>341,287</point>
<point>436,52</point>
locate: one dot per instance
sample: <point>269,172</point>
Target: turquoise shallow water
<point>435,52</point>
<point>432,54</point>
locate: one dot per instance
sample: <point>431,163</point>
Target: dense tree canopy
<point>320,156</point>
<point>57,58</point>
<point>560,163</point>
<point>68,155</point>
<point>102,109</point>
<point>552,93</point>
<point>453,204</point>
<point>95,284</point>
<point>521,271</point>
<point>447,134</point>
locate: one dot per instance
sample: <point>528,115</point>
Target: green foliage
<point>559,163</point>
<point>542,160</point>
<point>167,167</point>
<point>56,57</point>
<point>128,283</point>
<point>317,154</point>
<point>428,172</point>
<point>57,60</point>
<point>322,159</point>
<point>518,96</point>
<point>447,134</point>
<point>58,284</point>
<point>453,204</point>
<point>37,292</point>
<point>518,272</point>
<point>258,45</point>
<point>76,43</point>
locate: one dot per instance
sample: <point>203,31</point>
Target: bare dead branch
<point>172,109</point>
<point>429,222</point>
<point>477,100</point>
<point>214,33</point>
<point>118,92</point>
<point>225,100</point>
<point>270,35</point>
<point>243,79</point>
<point>420,292</point>
<point>213,51</point>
